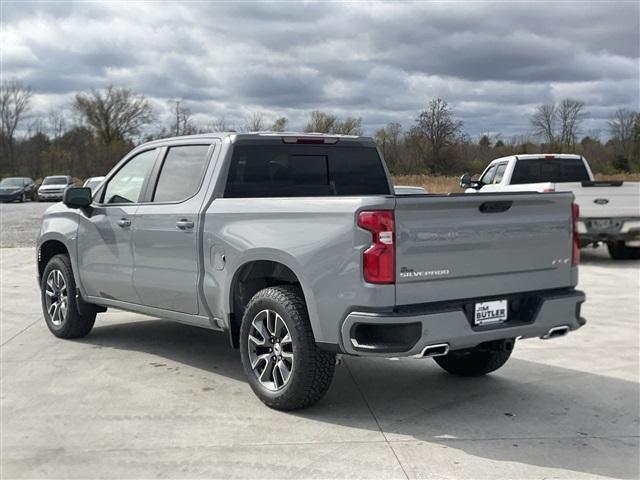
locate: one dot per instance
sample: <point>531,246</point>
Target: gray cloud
<point>383,61</point>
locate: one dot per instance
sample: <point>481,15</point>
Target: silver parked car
<point>53,187</point>
<point>296,246</point>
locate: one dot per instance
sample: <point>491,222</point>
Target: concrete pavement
<point>143,398</point>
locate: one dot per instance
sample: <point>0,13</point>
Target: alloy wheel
<point>56,297</point>
<point>270,350</point>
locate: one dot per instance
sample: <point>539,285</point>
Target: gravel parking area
<point>20,223</point>
<point>142,398</point>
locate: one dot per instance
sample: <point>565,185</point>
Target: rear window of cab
<point>555,170</point>
<point>305,170</point>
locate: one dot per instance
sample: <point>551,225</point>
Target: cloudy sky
<point>493,62</point>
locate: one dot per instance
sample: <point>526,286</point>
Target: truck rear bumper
<point>626,229</point>
<point>450,327</point>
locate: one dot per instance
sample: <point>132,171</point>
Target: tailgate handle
<point>495,207</point>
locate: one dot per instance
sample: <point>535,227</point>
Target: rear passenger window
<point>302,170</point>
<point>181,173</point>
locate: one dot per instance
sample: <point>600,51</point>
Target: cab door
<point>165,239</point>
<point>105,250</point>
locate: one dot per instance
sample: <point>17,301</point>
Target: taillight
<point>378,261</point>
<point>575,251</point>
<point>549,189</point>
<point>310,140</point>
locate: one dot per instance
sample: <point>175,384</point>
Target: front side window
<point>487,178</point>
<point>500,173</point>
<point>126,185</point>
<point>181,173</point>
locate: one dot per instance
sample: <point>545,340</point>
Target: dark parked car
<point>17,188</point>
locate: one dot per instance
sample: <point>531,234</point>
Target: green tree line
<point>99,126</point>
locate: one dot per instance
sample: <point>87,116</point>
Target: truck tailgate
<point>607,200</point>
<point>466,246</point>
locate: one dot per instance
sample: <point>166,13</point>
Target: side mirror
<point>465,180</point>
<point>77,197</point>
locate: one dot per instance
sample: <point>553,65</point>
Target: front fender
<point>60,224</point>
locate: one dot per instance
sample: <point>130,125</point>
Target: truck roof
<point>262,136</point>
<point>533,156</point>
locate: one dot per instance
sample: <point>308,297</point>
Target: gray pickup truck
<point>297,247</point>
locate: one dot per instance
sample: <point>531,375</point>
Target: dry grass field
<point>446,184</point>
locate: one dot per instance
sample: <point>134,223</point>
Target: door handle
<point>124,222</point>
<point>184,224</point>
<point>495,207</point>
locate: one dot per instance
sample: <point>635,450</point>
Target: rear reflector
<point>575,249</point>
<point>378,261</point>
<point>310,140</point>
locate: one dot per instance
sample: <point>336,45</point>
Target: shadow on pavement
<point>529,412</point>
<point>193,346</point>
<point>518,414</point>
<point>600,257</point>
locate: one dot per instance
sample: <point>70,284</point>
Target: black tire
<point>311,369</point>
<point>69,323</point>
<point>473,362</point>
<point>619,251</point>
<point>23,197</point>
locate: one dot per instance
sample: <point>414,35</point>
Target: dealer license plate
<point>490,312</point>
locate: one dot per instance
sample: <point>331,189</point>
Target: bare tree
<point>320,122</point>
<point>14,104</point>
<point>621,127</point>
<point>280,124</point>
<point>348,126</point>
<point>182,124</point>
<point>255,122</point>
<point>56,122</point>
<point>544,122</point>
<point>438,125</point>
<point>485,141</point>
<point>388,139</point>
<point>218,125</point>
<point>570,115</point>
<point>114,113</point>
<point>636,140</point>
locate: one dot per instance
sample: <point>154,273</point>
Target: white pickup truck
<point>609,210</point>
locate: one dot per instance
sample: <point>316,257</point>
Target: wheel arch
<point>252,276</point>
<point>49,249</point>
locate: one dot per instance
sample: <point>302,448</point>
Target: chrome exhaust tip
<point>436,350</point>
<point>556,332</point>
